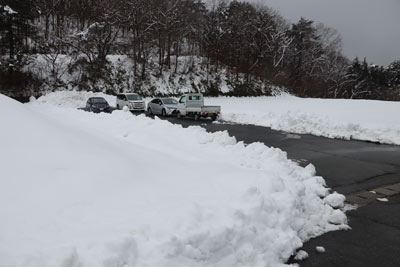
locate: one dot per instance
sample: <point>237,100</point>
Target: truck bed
<point>204,109</point>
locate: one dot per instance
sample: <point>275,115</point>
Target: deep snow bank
<point>369,120</point>
<point>83,189</point>
<point>73,99</point>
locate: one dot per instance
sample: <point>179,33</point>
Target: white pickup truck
<point>192,105</point>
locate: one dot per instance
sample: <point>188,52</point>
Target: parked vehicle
<point>162,106</point>
<point>97,105</point>
<point>192,105</point>
<point>133,101</point>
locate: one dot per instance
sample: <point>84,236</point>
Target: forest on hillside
<point>253,46</point>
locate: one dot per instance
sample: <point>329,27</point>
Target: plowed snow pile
<point>368,120</point>
<point>84,189</point>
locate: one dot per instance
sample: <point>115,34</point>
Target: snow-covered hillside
<point>369,120</point>
<point>84,189</point>
<point>191,74</point>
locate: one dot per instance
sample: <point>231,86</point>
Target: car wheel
<point>163,113</point>
<point>179,115</point>
<point>149,111</point>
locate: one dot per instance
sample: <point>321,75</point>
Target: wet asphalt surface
<point>347,166</point>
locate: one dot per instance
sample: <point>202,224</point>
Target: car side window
<point>154,101</point>
<point>124,98</point>
<point>183,99</point>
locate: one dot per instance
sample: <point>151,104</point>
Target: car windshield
<point>133,97</point>
<point>169,101</point>
<point>99,100</point>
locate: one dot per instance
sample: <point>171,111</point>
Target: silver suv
<point>133,101</point>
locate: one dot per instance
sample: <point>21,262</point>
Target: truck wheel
<point>118,107</point>
<point>196,117</point>
<point>163,113</point>
<point>149,111</point>
<point>214,118</point>
<point>178,115</point>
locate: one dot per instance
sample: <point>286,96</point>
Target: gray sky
<point>369,28</point>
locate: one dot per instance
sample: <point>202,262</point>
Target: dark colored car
<point>97,105</point>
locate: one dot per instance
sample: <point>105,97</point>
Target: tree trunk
<point>176,56</point>
<point>169,51</point>
<point>46,34</point>
<point>11,39</point>
<point>143,70</point>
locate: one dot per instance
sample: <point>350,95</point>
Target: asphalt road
<point>347,166</point>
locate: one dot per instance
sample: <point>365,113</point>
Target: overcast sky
<point>369,28</point>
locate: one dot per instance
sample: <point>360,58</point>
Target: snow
<point>349,207</point>
<point>9,10</point>
<point>335,200</point>
<point>85,189</point>
<point>339,218</point>
<point>368,120</point>
<point>301,255</point>
<point>320,249</point>
<point>382,199</point>
<point>73,99</point>
<point>84,34</point>
<point>190,75</point>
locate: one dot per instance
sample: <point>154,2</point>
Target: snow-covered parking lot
<point>84,189</point>
<point>368,120</point>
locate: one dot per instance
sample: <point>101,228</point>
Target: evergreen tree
<point>17,32</point>
<point>394,74</point>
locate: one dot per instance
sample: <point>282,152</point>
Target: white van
<point>133,101</point>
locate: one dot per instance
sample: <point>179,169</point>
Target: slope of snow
<point>369,120</point>
<point>72,99</point>
<point>84,189</point>
<point>191,74</point>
